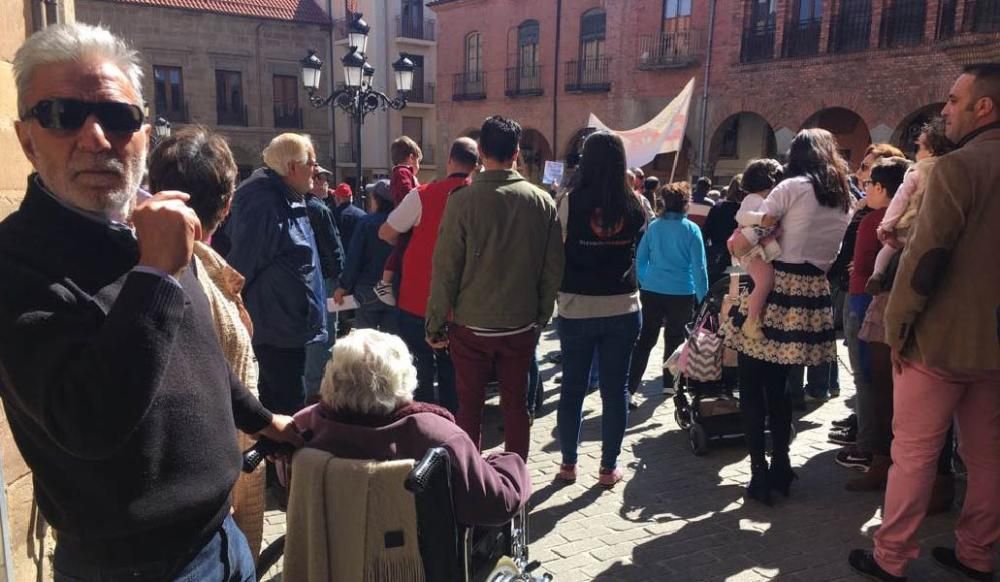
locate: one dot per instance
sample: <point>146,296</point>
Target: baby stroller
<point>709,410</point>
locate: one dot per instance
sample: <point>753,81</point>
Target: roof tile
<point>306,11</point>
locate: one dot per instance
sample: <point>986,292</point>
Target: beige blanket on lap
<point>342,514</point>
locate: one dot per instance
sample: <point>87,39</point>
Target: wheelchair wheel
<point>270,557</point>
<point>504,570</point>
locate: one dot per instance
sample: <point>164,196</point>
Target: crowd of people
<point>148,302</point>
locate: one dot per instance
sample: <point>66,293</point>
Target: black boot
<point>781,476</point>
<point>759,488</point>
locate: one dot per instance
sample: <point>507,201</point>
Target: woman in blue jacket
<point>672,279</point>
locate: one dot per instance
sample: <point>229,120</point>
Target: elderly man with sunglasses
<point>113,382</point>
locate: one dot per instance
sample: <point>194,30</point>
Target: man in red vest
<point>420,212</point>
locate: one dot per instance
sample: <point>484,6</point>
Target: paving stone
<point>681,517</point>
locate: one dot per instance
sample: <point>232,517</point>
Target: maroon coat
<point>486,491</point>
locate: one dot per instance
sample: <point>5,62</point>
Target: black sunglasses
<point>71,114</point>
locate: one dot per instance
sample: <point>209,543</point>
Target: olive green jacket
<point>944,309</point>
<point>498,261</point>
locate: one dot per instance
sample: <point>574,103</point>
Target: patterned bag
<point>701,355</point>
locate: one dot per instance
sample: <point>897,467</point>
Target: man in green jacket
<point>497,267</point>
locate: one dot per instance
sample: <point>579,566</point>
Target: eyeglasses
<point>71,114</point>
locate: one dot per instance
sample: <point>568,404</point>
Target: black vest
<point>600,262</point>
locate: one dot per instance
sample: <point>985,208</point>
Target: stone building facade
<point>551,64</point>
<point>233,67</point>
<point>26,543</point>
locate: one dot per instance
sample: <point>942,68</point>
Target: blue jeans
<point>818,381</point>
<point>613,338</point>
<point>225,558</point>
<point>371,312</point>
<point>318,354</point>
<point>430,363</point>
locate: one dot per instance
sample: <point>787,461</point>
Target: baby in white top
<point>894,229</point>
<point>753,247</point>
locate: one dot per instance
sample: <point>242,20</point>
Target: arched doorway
<point>852,133</point>
<point>535,150</point>
<point>739,139</point>
<point>906,133</point>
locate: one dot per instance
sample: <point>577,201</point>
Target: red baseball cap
<point>343,190</point>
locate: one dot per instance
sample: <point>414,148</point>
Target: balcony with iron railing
<point>903,23</point>
<point>421,93</point>
<point>592,75</point>
<point>345,153</point>
<point>981,16</point>
<point>288,116</point>
<point>469,86</point>
<point>669,50</point>
<point>524,81</point>
<point>851,30</point>
<point>802,38</point>
<point>757,44</point>
<point>417,29</point>
<point>235,116</point>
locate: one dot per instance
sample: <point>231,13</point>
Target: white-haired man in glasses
<point>114,385</point>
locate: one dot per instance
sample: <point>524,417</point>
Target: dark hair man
<point>943,326</point>
<point>420,213</point>
<point>114,383</point>
<point>497,267</point>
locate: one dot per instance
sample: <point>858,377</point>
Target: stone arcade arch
<point>852,133</point>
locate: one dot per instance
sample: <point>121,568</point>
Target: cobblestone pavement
<point>681,517</point>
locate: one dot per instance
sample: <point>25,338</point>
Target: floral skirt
<point>797,321</point>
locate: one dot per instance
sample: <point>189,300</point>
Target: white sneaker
<point>383,291</point>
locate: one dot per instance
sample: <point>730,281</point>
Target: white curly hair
<point>370,372</point>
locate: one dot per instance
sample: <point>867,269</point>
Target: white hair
<point>74,42</point>
<point>285,149</point>
<point>370,373</point>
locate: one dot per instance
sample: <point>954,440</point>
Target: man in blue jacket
<point>275,249</point>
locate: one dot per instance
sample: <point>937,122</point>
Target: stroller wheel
<point>682,417</point>
<point>698,439</point>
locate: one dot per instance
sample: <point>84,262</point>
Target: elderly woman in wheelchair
<point>391,489</point>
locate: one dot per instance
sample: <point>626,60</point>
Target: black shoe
<point>863,562</point>
<point>946,558</point>
<point>759,488</point>
<point>850,421</point>
<point>844,437</point>
<point>780,476</point>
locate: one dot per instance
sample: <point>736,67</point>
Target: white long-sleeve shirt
<point>810,233</point>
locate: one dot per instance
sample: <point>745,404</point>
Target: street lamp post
<point>359,97</point>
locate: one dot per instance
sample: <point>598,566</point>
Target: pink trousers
<point>925,402</point>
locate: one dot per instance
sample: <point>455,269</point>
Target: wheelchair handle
<point>264,447</point>
<point>419,478</point>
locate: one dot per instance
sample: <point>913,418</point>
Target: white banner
<point>661,135</point>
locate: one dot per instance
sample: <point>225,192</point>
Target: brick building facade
<point>868,70</point>
<point>229,66</point>
<point>551,64</point>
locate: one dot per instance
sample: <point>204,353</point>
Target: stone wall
<point>200,43</point>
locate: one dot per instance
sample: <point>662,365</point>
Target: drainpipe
<point>704,91</point>
<point>555,84</point>
<point>260,80</point>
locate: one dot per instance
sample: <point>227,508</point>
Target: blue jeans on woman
<point>613,338</point>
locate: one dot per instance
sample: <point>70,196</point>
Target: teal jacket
<point>671,257</point>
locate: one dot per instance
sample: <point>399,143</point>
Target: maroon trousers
<point>475,357</point>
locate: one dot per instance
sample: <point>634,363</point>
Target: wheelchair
<point>449,551</point>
